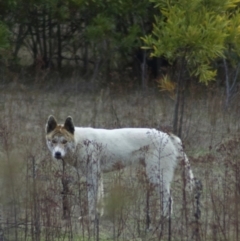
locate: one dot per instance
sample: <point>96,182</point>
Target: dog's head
<point>60,138</point>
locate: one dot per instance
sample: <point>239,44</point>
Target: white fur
<point>101,150</point>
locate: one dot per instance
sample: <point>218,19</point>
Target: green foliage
<point>196,31</point>
<point>4,35</point>
<point>77,31</point>
<point>114,28</point>
<point>100,27</point>
<point>131,40</point>
<point>4,41</point>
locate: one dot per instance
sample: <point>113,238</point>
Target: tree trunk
<point>182,105</point>
<point>34,45</point>
<point>85,58</point>
<point>176,107</point>
<point>230,85</point>
<point>144,70</point>
<point>44,39</point>
<point>38,33</point>
<point>59,54</point>
<point>20,38</point>
<point>50,35</point>
<point>179,102</point>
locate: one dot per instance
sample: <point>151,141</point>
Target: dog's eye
<point>54,141</point>
<point>64,141</point>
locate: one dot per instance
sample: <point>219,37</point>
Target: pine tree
<point>193,33</point>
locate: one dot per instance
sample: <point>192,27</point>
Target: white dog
<point>93,151</point>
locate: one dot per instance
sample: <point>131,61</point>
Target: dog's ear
<point>51,124</point>
<point>68,125</point>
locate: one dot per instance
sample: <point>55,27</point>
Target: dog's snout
<point>58,155</point>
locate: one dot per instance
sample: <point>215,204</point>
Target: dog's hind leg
<point>166,201</point>
<point>160,179</point>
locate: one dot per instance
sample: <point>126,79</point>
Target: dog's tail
<point>189,177</point>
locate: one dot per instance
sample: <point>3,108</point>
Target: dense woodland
<point>171,43</point>
<point>100,36</point>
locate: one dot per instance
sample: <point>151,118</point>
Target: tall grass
<point>42,201</point>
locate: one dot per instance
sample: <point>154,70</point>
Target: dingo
<point>93,151</point>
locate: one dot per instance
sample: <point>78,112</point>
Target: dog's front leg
<point>93,183</point>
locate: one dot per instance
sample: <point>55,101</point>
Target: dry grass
<point>31,188</point>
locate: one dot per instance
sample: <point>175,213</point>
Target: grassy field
<point>31,183</point>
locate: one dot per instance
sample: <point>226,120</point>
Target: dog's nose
<point>58,155</point>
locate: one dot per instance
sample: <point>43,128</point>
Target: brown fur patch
<point>60,131</point>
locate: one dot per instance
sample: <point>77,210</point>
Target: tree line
<point>195,37</point>
<point>92,34</point>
